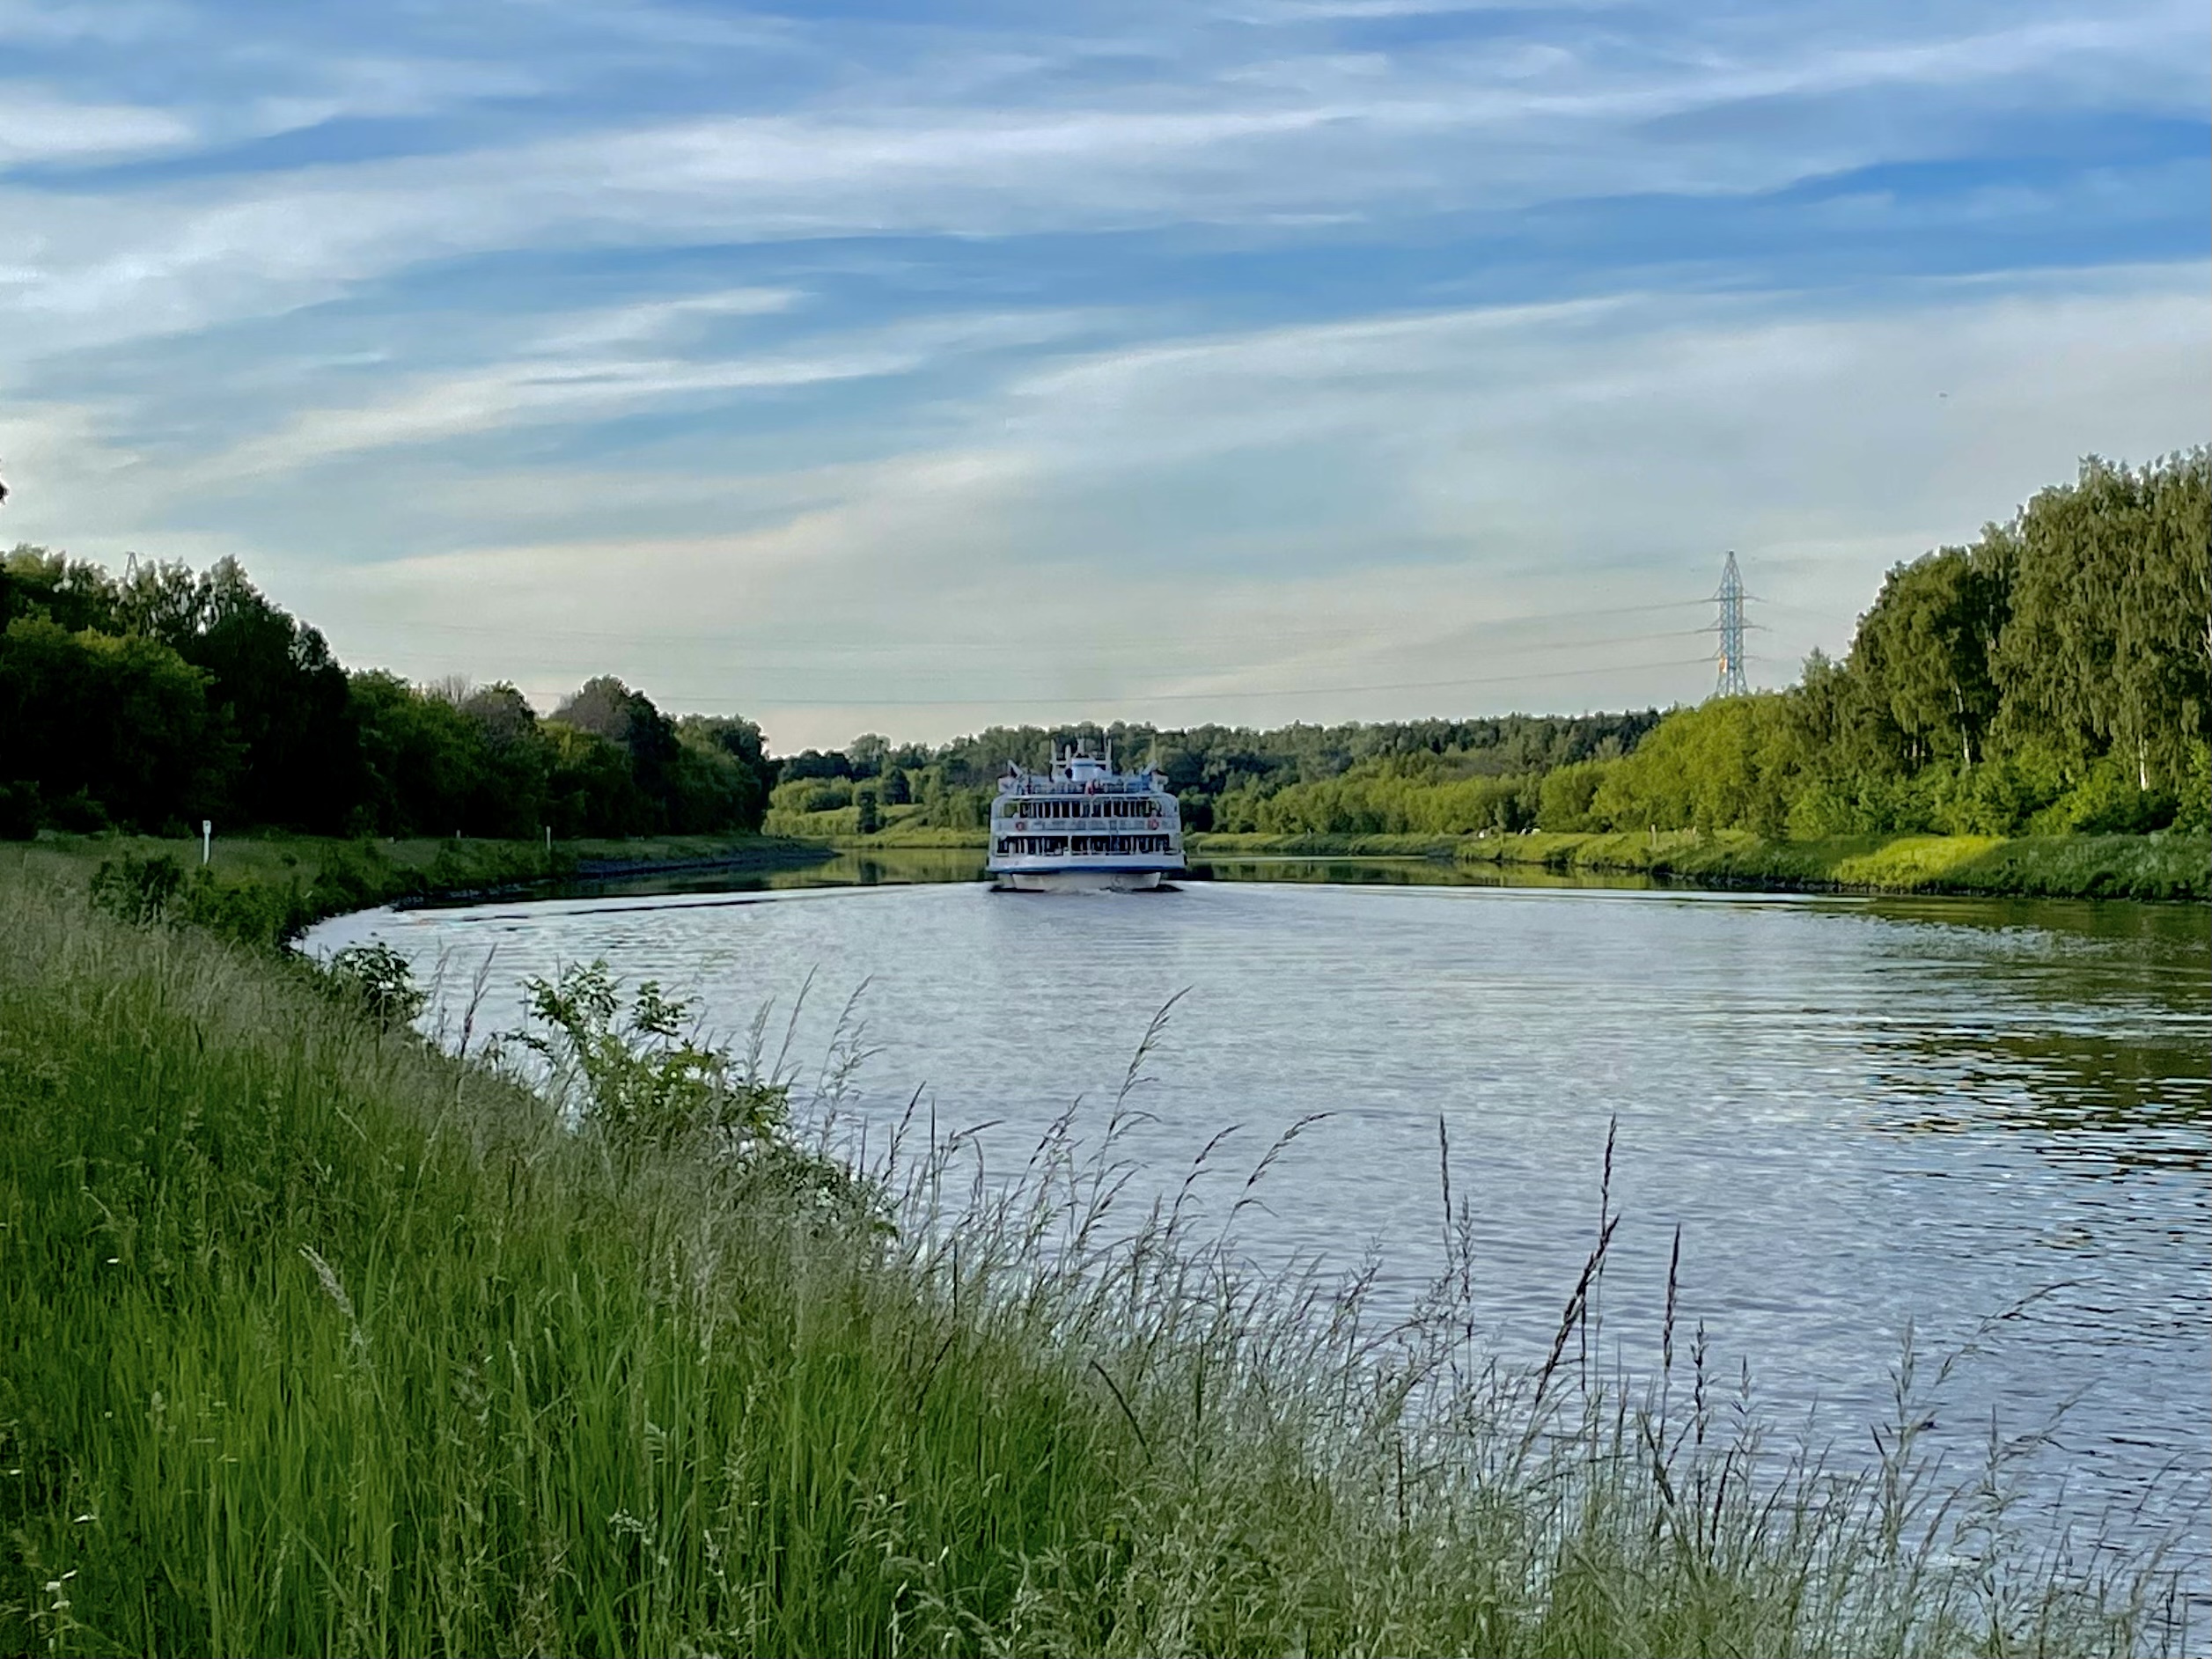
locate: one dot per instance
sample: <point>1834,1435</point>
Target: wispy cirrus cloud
<point>37,126</point>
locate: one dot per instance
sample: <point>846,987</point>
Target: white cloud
<point>580,372</point>
<point>1531,463</point>
<point>1299,136</point>
<point>37,126</point>
<point>1377,501</point>
<point>111,22</point>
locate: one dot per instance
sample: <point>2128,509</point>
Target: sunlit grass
<point>1912,861</point>
<point>2171,865</point>
<point>318,1339</point>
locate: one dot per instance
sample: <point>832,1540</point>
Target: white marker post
<point>207,836</point>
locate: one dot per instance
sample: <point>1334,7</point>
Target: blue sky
<point>908,368</point>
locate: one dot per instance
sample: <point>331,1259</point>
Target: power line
<point>1732,627</point>
<point>1201,696</point>
<point>995,644</point>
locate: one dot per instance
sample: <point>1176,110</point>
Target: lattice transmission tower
<point>1730,682</point>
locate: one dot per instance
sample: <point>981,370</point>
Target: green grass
<point>2174,865</point>
<point>260,888</point>
<point>1219,844</point>
<point>430,860</point>
<point>897,826</point>
<point>318,1339</point>
<point>2169,866</point>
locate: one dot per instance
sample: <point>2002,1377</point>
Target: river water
<point>1864,1115</point>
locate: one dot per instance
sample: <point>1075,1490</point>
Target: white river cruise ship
<point>1084,827</point>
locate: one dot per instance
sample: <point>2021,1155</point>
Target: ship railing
<point>1047,785</point>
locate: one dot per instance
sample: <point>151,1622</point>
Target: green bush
<point>249,912</point>
<point>377,979</point>
<point>2105,801</point>
<point>1566,794</point>
<point>137,890</point>
<point>2192,807</point>
<point>353,878</point>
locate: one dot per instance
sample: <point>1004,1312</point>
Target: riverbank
<point>2169,866</point>
<point>2173,866</point>
<point>274,883</point>
<point>321,1340</point>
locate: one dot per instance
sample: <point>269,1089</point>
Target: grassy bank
<point>2172,866</point>
<point>2169,867</point>
<point>318,1339</point>
<point>259,887</point>
<point>904,825</point>
<point>1209,844</point>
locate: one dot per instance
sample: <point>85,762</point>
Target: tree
<point>423,758</point>
<point>515,761</point>
<point>72,593</point>
<point>2109,646</point>
<point>867,752</point>
<point>1925,649</point>
<point>589,789</point>
<point>120,724</point>
<point>276,687</point>
<point>605,708</point>
<point>739,741</point>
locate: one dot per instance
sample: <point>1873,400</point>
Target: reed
<point>320,1339</point>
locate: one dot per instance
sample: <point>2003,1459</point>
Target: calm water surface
<point>1862,1114</point>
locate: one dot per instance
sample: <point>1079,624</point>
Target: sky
<point>911,368</point>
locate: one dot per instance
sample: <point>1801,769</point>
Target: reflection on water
<point>884,867</point>
<point>1867,1116</point>
<point>2102,1102</point>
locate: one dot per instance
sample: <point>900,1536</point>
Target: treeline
<point>151,700</point>
<point>1225,776</point>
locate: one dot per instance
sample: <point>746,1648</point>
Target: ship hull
<point>1091,880</point>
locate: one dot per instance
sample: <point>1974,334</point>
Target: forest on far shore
<point>2055,675</point>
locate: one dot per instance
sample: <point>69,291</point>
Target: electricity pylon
<point>1730,681</point>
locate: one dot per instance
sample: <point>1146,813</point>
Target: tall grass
<point>318,1339</point>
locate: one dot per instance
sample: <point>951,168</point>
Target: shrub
<point>641,1075</point>
<point>2106,802</point>
<point>244,913</point>
<point>137,890</point>
<point>352,879</point>
<point>2193,809</point>
<point>376,977</point>
<point>1565,795</point>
